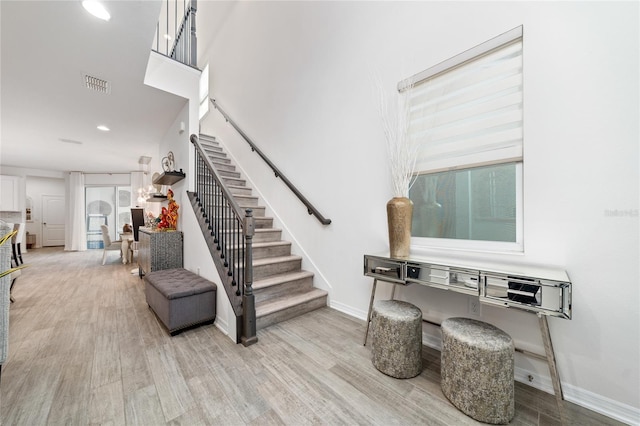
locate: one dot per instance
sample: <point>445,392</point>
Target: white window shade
<point>467,111</point>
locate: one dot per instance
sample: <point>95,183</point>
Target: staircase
<point>281,288</point>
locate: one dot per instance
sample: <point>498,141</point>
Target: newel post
<point>248,300</point>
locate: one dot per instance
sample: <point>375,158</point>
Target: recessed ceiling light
<point>103,128</point>
<point>96,9</point>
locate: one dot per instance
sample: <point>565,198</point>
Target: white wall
<point>296,76</point>
<point>35,183</point>
<point>195,252</point>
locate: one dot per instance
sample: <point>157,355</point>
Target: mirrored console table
<point>534,289</point>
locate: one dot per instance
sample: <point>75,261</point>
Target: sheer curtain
<point>75,238</point>
<point>137,182</point>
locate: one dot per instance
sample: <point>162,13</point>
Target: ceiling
<point>46,47</point>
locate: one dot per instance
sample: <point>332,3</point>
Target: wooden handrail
<point>310,208</point>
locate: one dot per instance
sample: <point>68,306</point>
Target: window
<point>106,205</point>
<point>203,92</point>
<point>466,114</point>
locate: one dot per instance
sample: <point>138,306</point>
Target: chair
<point>13,277</point>
<point>16,242</point>
<point>14,254</point>
<point>108,244</point>
<point>137,217</point>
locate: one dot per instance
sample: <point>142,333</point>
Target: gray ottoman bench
<point>477,369</point>
<point>180,298</point>
<point>397,338</point>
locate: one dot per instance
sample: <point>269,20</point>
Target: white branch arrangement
<point>401,148</point>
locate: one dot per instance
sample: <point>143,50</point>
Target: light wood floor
<point>86,349</point>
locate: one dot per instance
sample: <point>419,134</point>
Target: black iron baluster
<point>216,206</point>
<point>233,236</point>
<point>233,230</point>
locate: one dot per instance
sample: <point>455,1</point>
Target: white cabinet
<point>9,193</point>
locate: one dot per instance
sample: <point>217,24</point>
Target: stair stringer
<point>230,290</point>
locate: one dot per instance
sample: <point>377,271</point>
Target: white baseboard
<point>221,325</point>
<point>349,310</point>
<point>592,401</point>
<point>601,404</point>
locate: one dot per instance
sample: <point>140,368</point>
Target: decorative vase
<point>399,212</point>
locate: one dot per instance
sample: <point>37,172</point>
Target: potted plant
<point>401,151</point>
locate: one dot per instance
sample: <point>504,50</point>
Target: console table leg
<point>373,293</point>
<point>553,370</point>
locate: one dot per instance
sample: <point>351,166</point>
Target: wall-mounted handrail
<point>310,208</point>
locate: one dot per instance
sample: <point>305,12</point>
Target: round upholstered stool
<point>397,338</point>
<point>477,369</point>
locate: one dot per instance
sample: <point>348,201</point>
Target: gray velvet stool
<point>477,369</point>
<point>397,338</point>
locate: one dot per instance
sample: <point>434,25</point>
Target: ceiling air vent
<point>97,84</point>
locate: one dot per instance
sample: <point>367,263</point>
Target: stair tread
<point>281,278</point>
<point>277,259</point>
<point>248,197</point>
<point>261,230</point>
<point>264,244</point>
<point>268,230</point>
<point>280,304</point>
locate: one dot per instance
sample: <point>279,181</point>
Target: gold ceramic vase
<point>399,212</point>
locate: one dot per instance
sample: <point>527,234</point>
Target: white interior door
<point>52,220</point>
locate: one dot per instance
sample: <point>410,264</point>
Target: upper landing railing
<point>176,31</point>
<point>310,207</point>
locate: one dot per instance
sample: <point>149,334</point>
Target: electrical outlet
<point>474,306</point>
